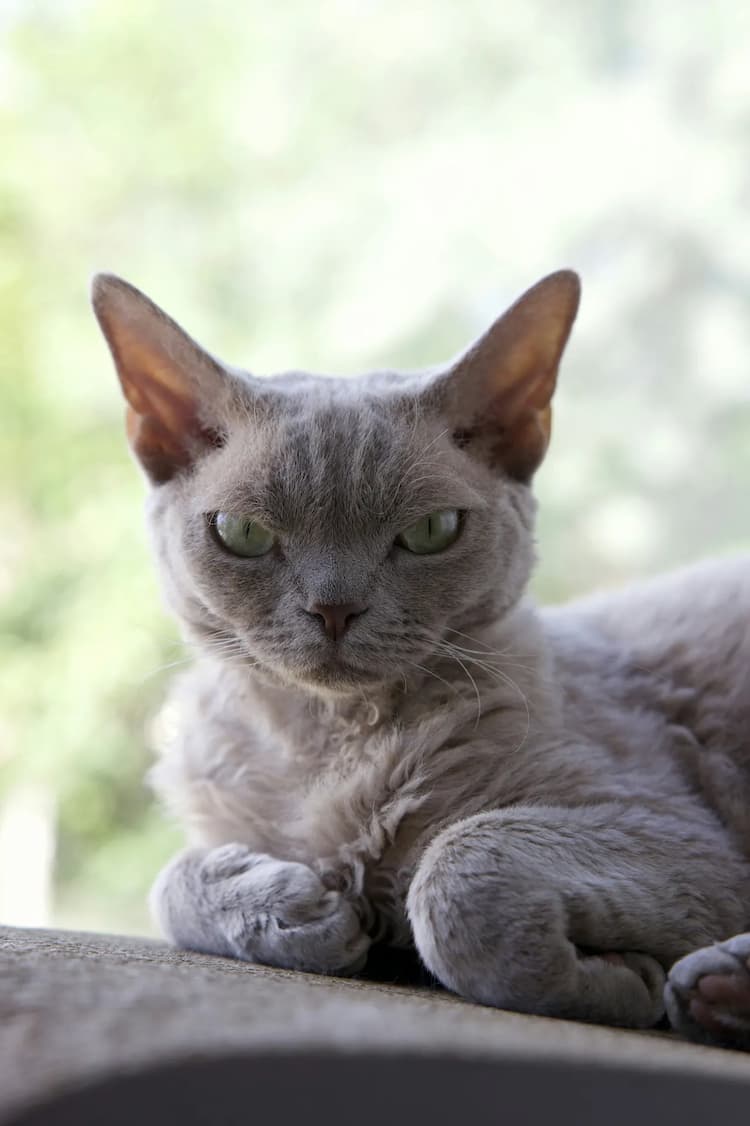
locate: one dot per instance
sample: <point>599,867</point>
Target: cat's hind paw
<point>707,995</point>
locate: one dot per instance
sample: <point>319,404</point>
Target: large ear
<point>497,395</point>
<point>174,390</point>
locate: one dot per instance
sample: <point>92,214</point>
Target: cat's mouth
<point>328,667</point>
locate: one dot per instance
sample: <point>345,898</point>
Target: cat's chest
<point>364,816</point>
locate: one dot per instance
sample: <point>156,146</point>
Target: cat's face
<point>329,532</point>
<point>331,478</point>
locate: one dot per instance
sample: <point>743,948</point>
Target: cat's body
<point>383,740</point>
<point>638,700</point>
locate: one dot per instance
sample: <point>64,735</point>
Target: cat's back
<point>696,619</point>
<point>683,641</point>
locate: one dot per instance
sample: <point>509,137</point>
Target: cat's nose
<point>336,617</point>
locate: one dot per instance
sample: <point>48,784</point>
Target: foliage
<point>338,186</point>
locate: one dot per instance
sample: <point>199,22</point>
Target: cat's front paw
<point>708,994</point>
<point>231,900</point>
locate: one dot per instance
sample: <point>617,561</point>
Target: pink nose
<point>336,618</point>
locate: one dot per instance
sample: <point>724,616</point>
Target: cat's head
<point>330,531</point>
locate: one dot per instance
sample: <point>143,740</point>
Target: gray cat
<point>383,741</point>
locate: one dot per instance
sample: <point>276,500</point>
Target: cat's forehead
<point>376,416</point>
<point>341,453</point>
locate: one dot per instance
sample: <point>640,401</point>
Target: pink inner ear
<point>154,448</point>
<point>516,445</point>
<point>171,385</point>
<point>521,448</point>
<point>513,397</point>
<point>164,430</point>
<point>166,401</point>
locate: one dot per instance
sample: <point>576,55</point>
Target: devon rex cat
<point>383,741</point>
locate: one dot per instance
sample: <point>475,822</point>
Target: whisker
<point>164,668</point>
<point>471,654</point>
<point>474,684</point>
<point>503,677</point>
<point>439,641</point>
<point>430,672</point>
<point>487,648</point>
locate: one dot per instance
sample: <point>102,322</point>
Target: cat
<point>382,741</point>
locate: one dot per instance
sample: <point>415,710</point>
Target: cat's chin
<point>338,679</point>
<point>332,676</point>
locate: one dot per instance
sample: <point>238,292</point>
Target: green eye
<point>242,536</point>
<point>432,533</point>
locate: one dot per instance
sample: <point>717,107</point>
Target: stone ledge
<point>77,1007</point>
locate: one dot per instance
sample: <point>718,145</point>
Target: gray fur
<point>232,901</point>
<point>729,1021</point>
<point>517,792</point>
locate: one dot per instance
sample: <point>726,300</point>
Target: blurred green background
<point>337,186</point>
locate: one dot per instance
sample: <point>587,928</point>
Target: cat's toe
<point>640,989</point>
<point>739,947</point>
<point>707,995</point>
<point>330,943</point>
<point>652,975</point>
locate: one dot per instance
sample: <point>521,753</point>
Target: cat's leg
<point>567,912</point>
<point>244,904</point>
<point>708,994</point>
